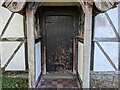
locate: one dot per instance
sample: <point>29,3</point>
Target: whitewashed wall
<point>15,29</point>
<point>104,29</point>
<point>38,59</point>
<point>80,59</point>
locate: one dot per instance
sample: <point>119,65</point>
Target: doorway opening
<point>59,27</point>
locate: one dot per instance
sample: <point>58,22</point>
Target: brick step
<point>59,81</point>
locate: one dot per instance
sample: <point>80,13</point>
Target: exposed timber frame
<point>8,22</point>
<point>25,45</point>
<point>106,55</point>
<point>88,10</point>
<point>92,46</point>
<point>11,57</point>
<point>21,41</point>
<point>112,25</point>
<point>119,37</point>
<point>74,56</point>
<point>31,46</point>
<point>13,39</point>
<point>96,40</point>
<point>106,39</point>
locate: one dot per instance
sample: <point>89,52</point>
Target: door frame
<point>70,11</point>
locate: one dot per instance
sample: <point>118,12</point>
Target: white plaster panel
<point>15,28</point>
<point>7,48</point>
<point>102,27</point>
<point>4,16</point>
<point>100,61</point>
<point>80,59</point>
<point>18,62</point>
<point>111,49</point>
<point>113,13</point>
<point>38,59</point>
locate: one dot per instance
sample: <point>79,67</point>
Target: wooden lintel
<point>31,46</point>
<point>87,45</point>
<point>60,4</point>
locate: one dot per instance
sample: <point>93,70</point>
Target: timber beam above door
<point>19,7</point>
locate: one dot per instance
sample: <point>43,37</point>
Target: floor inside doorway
<point>59,81</point>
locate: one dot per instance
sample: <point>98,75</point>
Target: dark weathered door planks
<point>59,37</point>
<point>59,11</point>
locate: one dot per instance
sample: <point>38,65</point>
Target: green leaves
<point>14,82</point>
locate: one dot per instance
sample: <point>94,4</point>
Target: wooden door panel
<point>59,34</point>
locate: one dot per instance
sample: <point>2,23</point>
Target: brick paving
<point>59,83</point>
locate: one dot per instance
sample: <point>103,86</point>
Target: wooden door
<point>59,32</point>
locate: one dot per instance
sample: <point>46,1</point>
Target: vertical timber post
<point>0,71</point>
<point>119,37</point>
<point>87,45</point>
<point>74,56</point>
<point>44,53</point>
<point>31,46</point>
<point>119,47</point>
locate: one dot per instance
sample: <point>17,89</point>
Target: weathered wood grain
<point>87,45</point>
<point>14,6</point>
<point>104,5</point>
<point>31,46</point>
<point>13,39</point>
